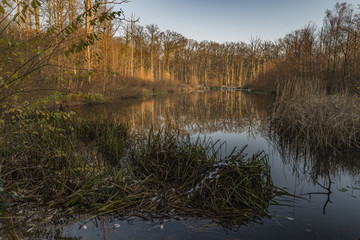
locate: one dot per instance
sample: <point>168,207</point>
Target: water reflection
<point>312,162</point>
<point>228,112</point>
<point>322,169</point>
<point>40,224</point>
<point>36,224</point>
<point>330,182</point>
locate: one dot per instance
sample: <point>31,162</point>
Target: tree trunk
<point>37,18</point>
<point>19,18</point>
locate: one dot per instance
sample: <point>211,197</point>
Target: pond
<point>328,183</point>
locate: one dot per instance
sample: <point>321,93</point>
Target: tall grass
<point>58,161</point>
<point>304,112</point>
<point>193,181</point>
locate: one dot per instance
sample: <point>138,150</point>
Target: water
<point>329,184</point>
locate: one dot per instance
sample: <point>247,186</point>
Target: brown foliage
<point>306,114</point>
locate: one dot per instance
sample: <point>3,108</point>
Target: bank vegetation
<point>57,52</point>
<point>58,161</point>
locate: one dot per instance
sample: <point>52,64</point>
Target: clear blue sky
<point>230,20</point>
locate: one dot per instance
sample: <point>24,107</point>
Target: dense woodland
<point>91,46</point>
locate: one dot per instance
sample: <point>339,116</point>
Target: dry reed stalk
<point>305,113</point>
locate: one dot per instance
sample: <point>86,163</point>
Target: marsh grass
<point>56,160</point>
<point>304,113</point>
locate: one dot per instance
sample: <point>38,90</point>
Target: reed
<point>305,113</point>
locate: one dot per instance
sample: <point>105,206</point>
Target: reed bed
<point>58,161</point>
<point>304,113</point>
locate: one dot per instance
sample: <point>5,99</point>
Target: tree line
<point>90,44</point>
<point>329,54</point>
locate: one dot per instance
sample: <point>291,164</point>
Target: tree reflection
<point>320,168</point>
<point>231,112</point>
<point>227,111</point>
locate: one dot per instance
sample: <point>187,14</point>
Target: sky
<point>230,20</point>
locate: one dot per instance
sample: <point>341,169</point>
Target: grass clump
<point>237,185</point>
<point>173,160</point>
<point>187,178</point>
<point>308,115</point>
<point>56,160</point>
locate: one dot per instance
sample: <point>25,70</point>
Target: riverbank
<point>209,113</point>
<point>127,88</point>
<point>136,88</point>
<point>58,161</point>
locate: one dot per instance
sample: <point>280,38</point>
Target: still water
<point>329,184</point>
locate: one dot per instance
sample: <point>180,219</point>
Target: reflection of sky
<point>230,20</point>
<point>342,215</point>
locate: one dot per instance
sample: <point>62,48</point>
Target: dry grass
<point>306,114</point>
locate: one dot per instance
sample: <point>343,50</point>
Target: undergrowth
<point>56,160</point>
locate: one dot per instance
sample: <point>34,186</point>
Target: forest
<point>57,53</point>
<point>91,47</point>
